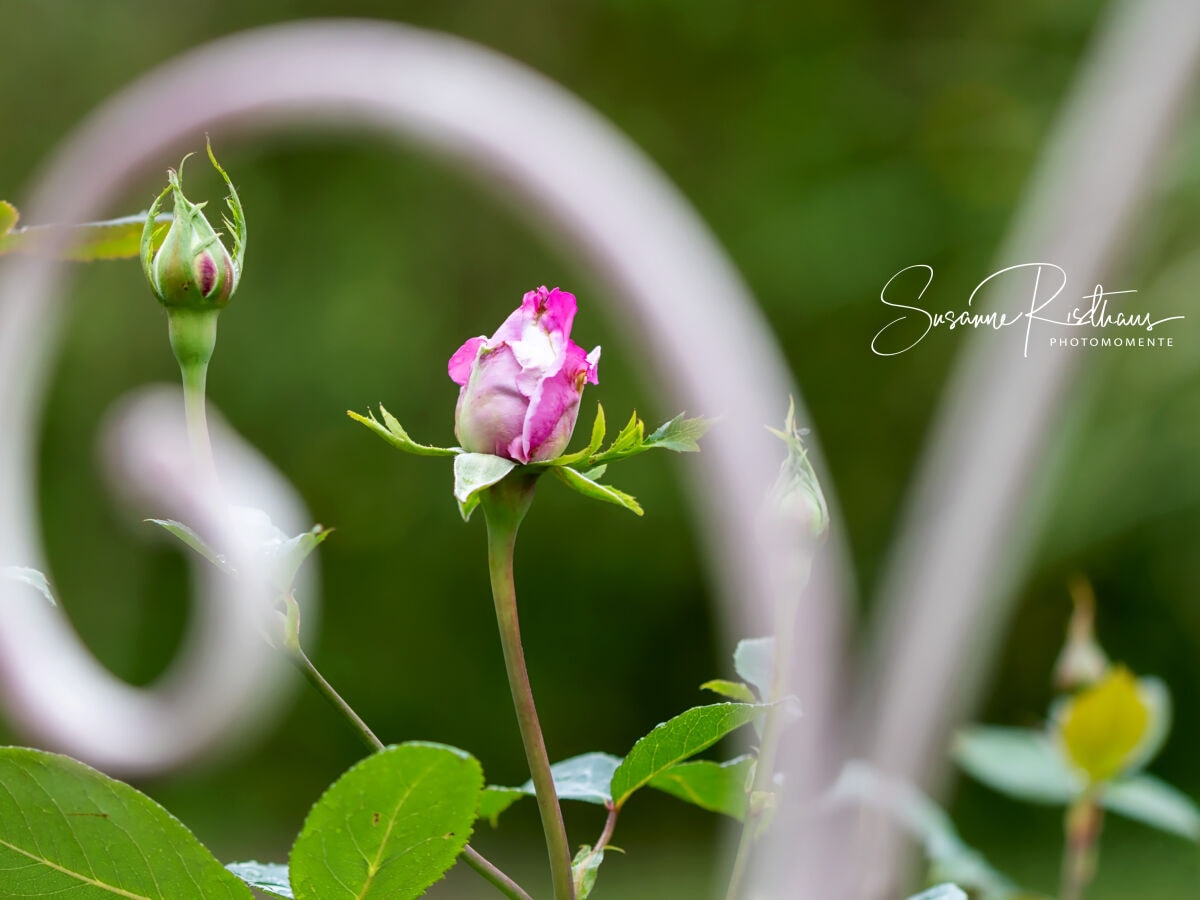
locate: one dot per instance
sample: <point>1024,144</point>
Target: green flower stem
<point>764,769</point>
<point>473,857</point>
<point>504,506</point>
<point>1085,817</point>
<point>193,335</point>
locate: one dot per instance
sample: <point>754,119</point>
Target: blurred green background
<point>828,146</point>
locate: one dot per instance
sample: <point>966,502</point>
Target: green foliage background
<point>828,145</point>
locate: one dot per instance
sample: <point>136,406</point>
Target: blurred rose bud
<point>520,388</point>
<point>1082,661</point>
<point>797,493</point>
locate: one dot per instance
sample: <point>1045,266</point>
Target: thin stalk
<point>194,405</point>
<point>505,505</point>
<point>473,857</point>
<point>1084,820</point>
<point>764,769</point>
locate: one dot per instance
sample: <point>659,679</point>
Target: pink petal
<point>463,359</point>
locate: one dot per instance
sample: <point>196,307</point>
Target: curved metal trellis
<point>672,287</point>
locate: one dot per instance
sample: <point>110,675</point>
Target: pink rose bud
<point>521,387</point>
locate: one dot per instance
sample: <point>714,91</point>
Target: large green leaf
<point>1019,762</point>
<point>717,787</point>
<point>674,741</point>
<point>1155,803</point>
<point>68,831</point>
<point>268,878</point>
<point>390,827</point>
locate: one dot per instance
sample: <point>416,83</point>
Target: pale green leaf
<point>595,490</point>
<point>679,434</point>
<point>754,661</point>
<point>584,868</point>
<point>390,827</point>
<point>89,242</point>
<point>68,831</point>
<point>587,778</point>
<point>1155,803</point>
<point>473,472</point>
<point>941,892</point>
<point>392,432</point>
<point>717,787</point>
<point>189,537</point>
<point>734,690</point>
<point>269,878</point>
<point>496,800</point>
<point>674,741</point>
<point>31,577</point>
<point>1019,762</point>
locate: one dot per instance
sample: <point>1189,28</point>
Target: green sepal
<point>393,432</point>
<point>598,430</point>
<point>237,226</point>
<point>473,473</point>
<point>680,434</point>
<point>579,482</point>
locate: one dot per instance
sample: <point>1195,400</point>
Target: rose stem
<point>504,506</point>
<point>474,859</point>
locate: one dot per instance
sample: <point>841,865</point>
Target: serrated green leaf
<point>269,878</point>
<point>674,741</point>
<point>473,472</point>
<point>390,827</point>
<point>31,577</point>
<point>584,868</point>
<point>595,473</point>
<point>1019,762</point>
<point>598,430</point>
<point>754,661</point>
<point>584,485</point>
<point>734,690</point>
<point>679,434</point>
<point>67,830</point>
<point>717,787</point>
<point>496,800</point>
<point>393,432</point>
<point>193,540</point>
<point>89,242</point>
<point>628,440</point>
<point>1155,803</point>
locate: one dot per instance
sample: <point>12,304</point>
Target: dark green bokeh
<point>827,148</point>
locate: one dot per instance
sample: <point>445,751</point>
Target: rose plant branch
<point>504,506</point>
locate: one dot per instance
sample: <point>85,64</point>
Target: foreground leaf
<point>1019,762</point>
<point>188,536</point>
<point>68,831</point>
<point>587,777</point>
<point>717,787</point>
<point>390,827</point>
<point>584,869</point>
<point>676,740</point>
<point>754,661</point>
<point>269,878</point>
<point>1155,803</point>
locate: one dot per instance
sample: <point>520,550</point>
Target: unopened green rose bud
<point>192,268</point>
